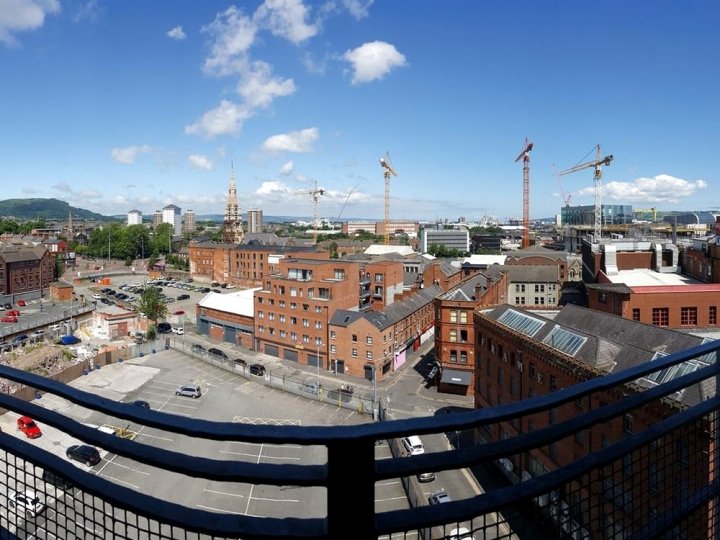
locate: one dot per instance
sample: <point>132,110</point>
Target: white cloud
<point>286,18</point>
<point>259,88</point>
<point>90,11</point>
<point>22,16</point>
<point>358,8</point>
<point>177,33</point>
<point>232,34</point>
<point>63,187</point>
<point>29,191</point>
<point>374,60</point>
<point>200,162</point>
<point>662,188</point>
<point>225,119</point>
<point>287,169</point>
<point>129,154</point>
<point>295,141</point>
<point>89,194</point>
<point>272,188</point>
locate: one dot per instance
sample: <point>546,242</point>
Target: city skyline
<point>116,108</point>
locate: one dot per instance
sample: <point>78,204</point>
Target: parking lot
<point>225,397</point>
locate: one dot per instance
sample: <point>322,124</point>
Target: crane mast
<point>389,170</point>
<point>315,194</point>
<point>597,182</point>
<point>525,155</point>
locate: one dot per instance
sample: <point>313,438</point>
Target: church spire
<point>232,232</point>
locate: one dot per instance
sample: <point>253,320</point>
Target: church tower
<point>232,231</point>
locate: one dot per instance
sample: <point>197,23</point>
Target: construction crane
<point>525,155</point>
<point>566,197</point>
<point>315,194</point>
<point>597,180</point>
<point>389,171</point>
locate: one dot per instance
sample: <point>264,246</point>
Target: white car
<point>463,533</point>
<point>26,502</point>
<point>178,330</point>
<point>97,296</point>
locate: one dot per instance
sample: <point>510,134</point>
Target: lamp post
<point>318,364</point>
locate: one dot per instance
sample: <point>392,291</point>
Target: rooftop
<point>641,277</point>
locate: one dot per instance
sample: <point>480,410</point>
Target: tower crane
<point>566,197</point>
<point>315,194</point>
<point>597,164</point>
<point>525,155</point>
<point>389,170</point>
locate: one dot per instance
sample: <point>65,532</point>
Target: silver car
<point>189,390</point>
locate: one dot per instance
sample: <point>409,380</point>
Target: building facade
<point>171,215</point>
<point>611,214</point>
<point>26,269</point>
<point>157,218</point>
<point>533,286</point>
<point>134,217</point>
<point>449,238</point>
<point>255,220</point>
<point>189,224</point>
<point>232,229</point>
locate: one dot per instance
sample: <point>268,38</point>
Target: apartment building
<point>134,217</point>
<point>296,302</point>
<point>255,220</point>
<point>171,215</point>
<point>449,238</point>
<point>189,221</point>
<point>533,286</point>
<point>520,355</point>
<point>243,265</point>
<point>373,344</point>
<point>454,331</point>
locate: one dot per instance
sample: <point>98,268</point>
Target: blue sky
<point>118,105</point>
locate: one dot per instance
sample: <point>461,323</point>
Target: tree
<point>163,238</point>
<point>151,304</point>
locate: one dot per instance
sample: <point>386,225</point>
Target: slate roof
<point>13,255</point>
<point>532,273</point>
<point>614,343</point>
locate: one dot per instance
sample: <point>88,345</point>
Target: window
<point>332,334</point>
<point>271,316</point>
<point>260,300</point>
<point>368,340</point>
<point>293,320</point>
<point>354,353</point>
<point>553,383</point>
<point>463,317</point>
<point>293,336</point>
<point>463,336</point>
<point>306,323</point>
<point>688,316</point>
<point>463,357</point>
<point>306,307</point>
<point>539,288</point>
<point>332,348</point>
<point>453,356</point>
<point>293,305</point>
<point>712,315</point>
<point>318,325</point>
<point>453,335</point>
<point>339,273</point>
<point>283,333</point>
<point>354,338</point>
<point>368,355</point>
<point>306,338</point>
<point>281,303</point>
<point>636,314</point>
<point>453,316</point>
<point>282,318</point>
<point>501,376</point>
<point>660,316</point>
<point>628,423</point>
<point>261,314</point>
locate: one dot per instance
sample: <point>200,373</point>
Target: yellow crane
<point>315,194</point>
<point>389,170</point>
<point>597,164</point>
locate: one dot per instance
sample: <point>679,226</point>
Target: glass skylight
<point>521,322</point>
<point>564,341</point>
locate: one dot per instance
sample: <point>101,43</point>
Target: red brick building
<point>228,317</point>
<point>454,330</point>
<point>441,272</point>
<point>243,265</point>
<point>26,269</point>
<point>672,306</point>
<point>378,342</point>
<point>521,355</point>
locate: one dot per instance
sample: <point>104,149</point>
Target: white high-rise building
<point>171,214</point>
<point>134,217</point>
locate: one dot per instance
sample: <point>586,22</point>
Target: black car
<point>240,362</point>
<point>198,349</point>
<point>183,297</point>
<point>217,352</point>
<point>141,403</point>
<point>88,455</point>
<point>8,306</point>
<point>164,328</point>
<point>257,369</point>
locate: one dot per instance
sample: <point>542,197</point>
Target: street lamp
<point>318,364</point>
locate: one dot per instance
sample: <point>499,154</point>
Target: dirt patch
<point>39,359</point>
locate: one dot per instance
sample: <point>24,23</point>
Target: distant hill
<point>45,209</point>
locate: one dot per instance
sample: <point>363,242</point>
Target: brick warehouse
<point>521,355</point>
<point>26,269</point>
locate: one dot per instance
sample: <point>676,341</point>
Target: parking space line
<point>119,480</point>
<point>128,468</point>
<point>140,434</point>
<point>224,493</point>
<point>255,455</point>
<point>391,499</point>
<point>390,483</point>
<point>274,500</point>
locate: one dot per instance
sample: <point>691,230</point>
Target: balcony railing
<point>660,482</point>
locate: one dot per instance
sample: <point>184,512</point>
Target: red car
<point>12,313</point>
<point>21,303</point>
<point>179,312</point>
<point>28,426</point>
<point>9,319</point>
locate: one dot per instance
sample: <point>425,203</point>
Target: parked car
<point>189,390</point>
<point>57,480</point>
<point>217,352</point>
<point>9,319</point>
<point>240,362</point>
<point>84,453</point>
<point>28,426</point>
<point>27,502</point>
<point>413,445</point>
<point>21,303</point>
<point>461,533</point>
<point>68,340</point>
<point>8,305</point>
<point>198,349</point>
<point>12,313</point>
<point>164,328</point>
<point>183,297</point>
<point>257,369</point>
<point>179,330</point>
<point>426,477</point>
<point>179,312</point>
<point>141,403</point>
<point>439,497</point>
<point>20,340</point>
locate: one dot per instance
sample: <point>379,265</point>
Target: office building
<point>134,217</point>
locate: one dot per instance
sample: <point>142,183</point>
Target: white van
<point>413,445</point>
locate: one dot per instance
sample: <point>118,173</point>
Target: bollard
<point>120,360</point>
<point>85,371</point>
<point>153,351</point>
<point>97,366</point>
<point>38,395</point>
<point>142,354</point>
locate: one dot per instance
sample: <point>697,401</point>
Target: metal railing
<point>658,482</point>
